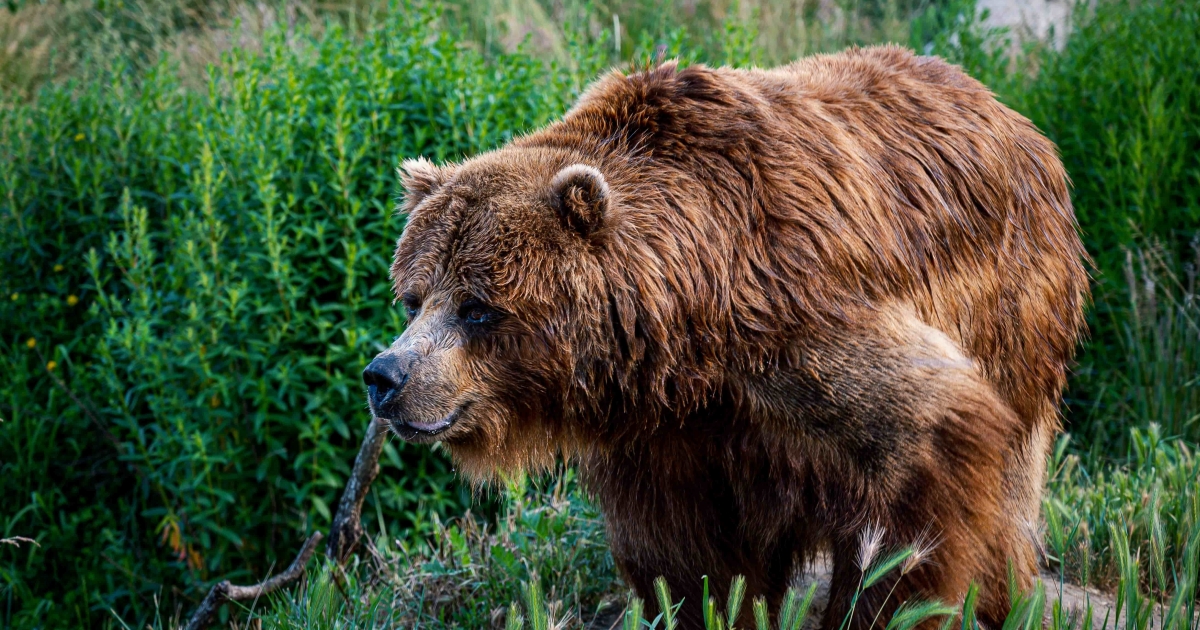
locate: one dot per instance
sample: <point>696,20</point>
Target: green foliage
<point>543,563</point>
<point>192,284</point>
<point>777,31</point>
<point>1155,320</point>
<point>1154,502</point>
<point>1122,102</point>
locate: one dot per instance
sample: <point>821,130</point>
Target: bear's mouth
<point>410,430</point>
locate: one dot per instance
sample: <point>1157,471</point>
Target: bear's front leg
<point>673,512</point>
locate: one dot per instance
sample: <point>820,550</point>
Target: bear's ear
<point>420,178</point>
<point>579,194</point>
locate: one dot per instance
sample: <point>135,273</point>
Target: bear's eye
<point>476,312</point>
<point>412,305</point>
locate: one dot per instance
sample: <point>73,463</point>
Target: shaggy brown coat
<point>762,310</point>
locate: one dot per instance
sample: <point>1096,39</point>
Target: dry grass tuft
<point>29,38</point>
<point>52,42</point>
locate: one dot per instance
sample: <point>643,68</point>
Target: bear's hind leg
<point>943,573</point>
<point>916,441</point>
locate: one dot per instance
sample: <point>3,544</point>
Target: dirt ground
<point>1075,600</point>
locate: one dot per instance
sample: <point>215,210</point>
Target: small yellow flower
<point>79,137</point>
<point>51,365</point>
<point>32,343</point>
<point>72,300</point>
<point>15,296</point>
<point>58,268</point>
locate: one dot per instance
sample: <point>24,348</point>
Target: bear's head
<point>506,306</point>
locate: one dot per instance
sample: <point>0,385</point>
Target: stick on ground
<point>225,592</point>
<point>347,523</point>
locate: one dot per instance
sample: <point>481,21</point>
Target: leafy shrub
<point>192,283</point>
<point>1123,104</point>
<point>464,573</point>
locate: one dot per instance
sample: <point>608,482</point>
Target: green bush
<point>1122,101</point>
<point>192,284</point>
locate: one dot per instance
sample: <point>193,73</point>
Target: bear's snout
<point>384,377</point>
<point>414,396</point>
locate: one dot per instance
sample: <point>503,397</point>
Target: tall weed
<point>191,286</point>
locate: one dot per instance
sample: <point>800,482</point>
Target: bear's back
<point>980,199</point>
<point>866,176</point>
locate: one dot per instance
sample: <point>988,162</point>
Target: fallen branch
<point>346,529</point>
<point>225,592</point>
<point>344,533</point>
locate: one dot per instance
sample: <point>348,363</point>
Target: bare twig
<point>225,592</point>
<point>343,535</point>
<point>347,523</point>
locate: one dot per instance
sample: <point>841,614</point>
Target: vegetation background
<point>196,217</point>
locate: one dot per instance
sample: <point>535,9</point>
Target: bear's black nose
<point>384,378</point>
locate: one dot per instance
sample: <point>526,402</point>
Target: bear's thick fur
<point>762,310</point>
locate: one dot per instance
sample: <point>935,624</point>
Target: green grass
<point>468,571</point>
<point>1153,502</point>
<point>191,289</point>
<point>1130,530</point>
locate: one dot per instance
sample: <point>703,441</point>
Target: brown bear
<point>761,310</point>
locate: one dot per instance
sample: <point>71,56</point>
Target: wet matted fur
<point>761,310</point>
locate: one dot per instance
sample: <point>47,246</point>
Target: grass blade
<point>733,606</point>
<point>762,619</point>
<point>911,614</point>
<point>515,621</point>
<point>664,603</point>
<point>969,619</point>
<point>883,567</point>
<point>633,615</point>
